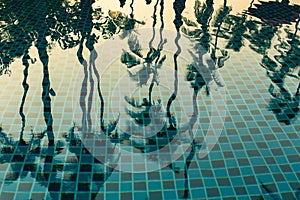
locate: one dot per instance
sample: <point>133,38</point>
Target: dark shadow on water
<point>275,13</point>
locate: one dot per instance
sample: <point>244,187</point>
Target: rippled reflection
<point>62,163</point>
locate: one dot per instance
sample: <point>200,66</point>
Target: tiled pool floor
<point>149,99</point>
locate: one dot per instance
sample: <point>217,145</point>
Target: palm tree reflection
<point>25,88</point>
<point>69,171</point>
<point>75,173</point>
<point>140,68</point>
<point>115,23</point>
<point>24,158</point>
<point>218,21</point>
<point>260,39</point>
<point>283,104</point>
<point>205,52</point>
<point>55,166</point>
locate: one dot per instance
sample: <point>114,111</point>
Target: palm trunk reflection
<point>25,88</point>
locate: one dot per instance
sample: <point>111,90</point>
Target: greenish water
<point>149,99</point>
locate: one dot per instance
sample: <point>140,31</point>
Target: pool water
<point>149,99</point>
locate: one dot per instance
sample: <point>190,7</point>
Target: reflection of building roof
<point>275,13</point>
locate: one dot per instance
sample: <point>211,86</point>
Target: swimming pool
<point>149,99</point>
